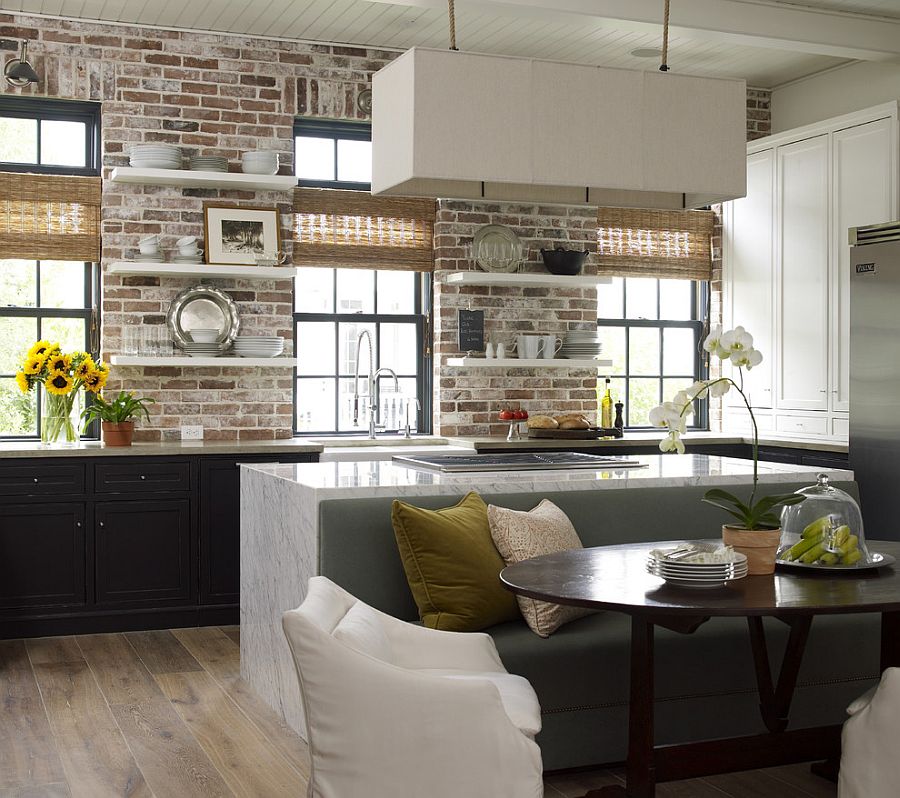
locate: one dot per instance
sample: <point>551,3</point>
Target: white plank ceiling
<point>382,24</point>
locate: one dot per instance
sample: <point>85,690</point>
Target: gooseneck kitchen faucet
<point>373,378</point>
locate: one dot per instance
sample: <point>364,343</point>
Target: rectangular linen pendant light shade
<point>469,126</point>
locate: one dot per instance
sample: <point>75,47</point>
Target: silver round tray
<point>203,306</point>
<point>876,561</point>
<point>503,238</point>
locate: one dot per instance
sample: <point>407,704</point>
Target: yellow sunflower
<point>95,381</point>
<point>85,367</point>
<point>33,364</point>
<point>41,348</point>
<point>22,381</point>
<point>103,368</point>
<point>58,383</point>
<point>59,362</point>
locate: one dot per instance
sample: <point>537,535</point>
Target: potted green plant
<point>755,530</point>
<point>116,417</point>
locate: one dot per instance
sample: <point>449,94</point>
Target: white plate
<point>694,578</point>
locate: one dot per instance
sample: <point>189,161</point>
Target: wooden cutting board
<point>591,433</point>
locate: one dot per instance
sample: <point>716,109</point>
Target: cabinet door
<point>143,551</point>
<point>802,322</point>
<point>863,189</point>
<point>42,555</point>
<point>750,271</point>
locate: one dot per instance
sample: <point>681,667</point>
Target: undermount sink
<point>389,439</point>
<point>405,448</point>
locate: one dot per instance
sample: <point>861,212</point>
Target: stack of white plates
<point>699,567</point>
<point>202,350</point>
<point>258,346</point>
<point>259,162</point>
<point>140,258</point>
<point>581,344</point>
<point>208,163</point>
<point>198,258</point>
<point>155,156</point>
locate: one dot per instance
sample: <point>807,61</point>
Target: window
<point>53,299</point>
<point>330,154</point>
<point>652,331</point>
<point>332,308</point>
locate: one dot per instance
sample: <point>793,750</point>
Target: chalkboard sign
<point>471,330</point>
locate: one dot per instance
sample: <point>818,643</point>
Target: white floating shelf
<point>188,178</point>
<point>525,363</point>
<point>185,361</point>
<point>525,280</point>
<point>203,270</point>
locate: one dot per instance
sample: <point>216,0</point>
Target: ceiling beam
<point>756,23</point>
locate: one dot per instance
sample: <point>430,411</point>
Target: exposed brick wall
<point>219,95</point>
<point>225,94</point>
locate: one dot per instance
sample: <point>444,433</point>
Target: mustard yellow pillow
<point>452,565</point>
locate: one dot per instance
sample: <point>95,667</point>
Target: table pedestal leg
<point>641,766</point>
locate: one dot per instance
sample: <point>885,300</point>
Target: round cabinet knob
<point>35,480</point>
<point>102,524</point>
<point>78,524</point>
<point>143,477</point>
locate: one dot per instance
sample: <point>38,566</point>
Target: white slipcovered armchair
<point>869,742</point>
<point>395,710</point>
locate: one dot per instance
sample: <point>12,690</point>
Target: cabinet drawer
<point>146,477</point>
<point>802,425</point>
<point>41,480</point>
<point>840,427</point>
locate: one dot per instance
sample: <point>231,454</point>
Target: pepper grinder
<point>619,423</point>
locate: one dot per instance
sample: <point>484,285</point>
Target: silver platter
<point>203,306</point>
<point>875,560</point>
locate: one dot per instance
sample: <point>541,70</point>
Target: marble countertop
<point>652,439</point>
<point>11,449</point>
<point>384,478</point>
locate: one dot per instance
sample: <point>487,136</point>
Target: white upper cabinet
<point>802,318</point>
<point>863,193</point>
<point>749,241</point>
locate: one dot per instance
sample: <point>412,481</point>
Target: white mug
<point>149,247</point>
<point>187,241</point>
<point>529,347</point>
<point>191,250</point>
<point>552,345</point>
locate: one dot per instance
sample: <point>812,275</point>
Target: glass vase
<point>60,420</point>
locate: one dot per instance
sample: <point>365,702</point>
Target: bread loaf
<point>572,421</point>
<point>541,422</point>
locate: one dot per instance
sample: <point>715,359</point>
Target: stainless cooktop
<point>516,461</point>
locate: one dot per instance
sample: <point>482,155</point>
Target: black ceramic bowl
<point>563,261</point>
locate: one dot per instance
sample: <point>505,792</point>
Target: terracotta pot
<point>117,434</point>
<point>759,546</point>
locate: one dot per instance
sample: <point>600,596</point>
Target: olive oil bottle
<point>606,408</point>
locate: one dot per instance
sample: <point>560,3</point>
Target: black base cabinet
<point>120,543</point>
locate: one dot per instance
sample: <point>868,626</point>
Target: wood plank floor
<point>166,715</point>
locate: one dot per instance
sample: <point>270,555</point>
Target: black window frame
<point>700,296</point>
<point>336,130</point>
<point>56,111</point>
<point>59,110</point>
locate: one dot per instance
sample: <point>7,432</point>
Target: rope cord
<point>664,66</point>
<point>451,12</point>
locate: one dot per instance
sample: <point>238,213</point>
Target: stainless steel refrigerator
<point>875,375</point>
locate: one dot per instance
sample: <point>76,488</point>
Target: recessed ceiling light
<point>647,52</point>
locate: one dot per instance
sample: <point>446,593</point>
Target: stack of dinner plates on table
<point>258,345</point>
<point>155,156</point>
<point>581,345</point>
<point>698,565</point>
<point>208,163</point>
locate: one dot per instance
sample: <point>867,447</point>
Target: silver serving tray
<point>203,306</point>
<point>877,561</point>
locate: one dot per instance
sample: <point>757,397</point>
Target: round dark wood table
<point>616,578</point>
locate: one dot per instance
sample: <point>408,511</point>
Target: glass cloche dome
<point>825,530</point>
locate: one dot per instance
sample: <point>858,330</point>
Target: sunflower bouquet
<point>62,376</point>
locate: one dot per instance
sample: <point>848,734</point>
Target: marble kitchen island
<point>280,518</point>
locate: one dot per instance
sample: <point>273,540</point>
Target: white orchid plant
<point>734,346</point>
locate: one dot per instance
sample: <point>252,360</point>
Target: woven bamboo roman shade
<point>49,217</point>
<point>353,229</point>
<point>647,243</point>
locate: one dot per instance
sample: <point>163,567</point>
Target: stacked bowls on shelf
<point>208,163</point>
<point>697,566</point>
<point>204,342</point>
<point>258,345</point>
<point>155,156</point>
<point>259,162</point>
<point>581,345</point>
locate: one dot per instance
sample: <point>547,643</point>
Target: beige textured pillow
<point>520,535</point>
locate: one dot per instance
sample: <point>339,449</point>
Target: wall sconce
<point>19,73</point>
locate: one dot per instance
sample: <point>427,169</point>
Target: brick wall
<point>219,95</point>
<point>224,94</point>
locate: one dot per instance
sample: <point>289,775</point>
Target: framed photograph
<point>237,234</point>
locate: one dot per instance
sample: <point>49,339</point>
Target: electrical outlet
<point>191,433</point>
